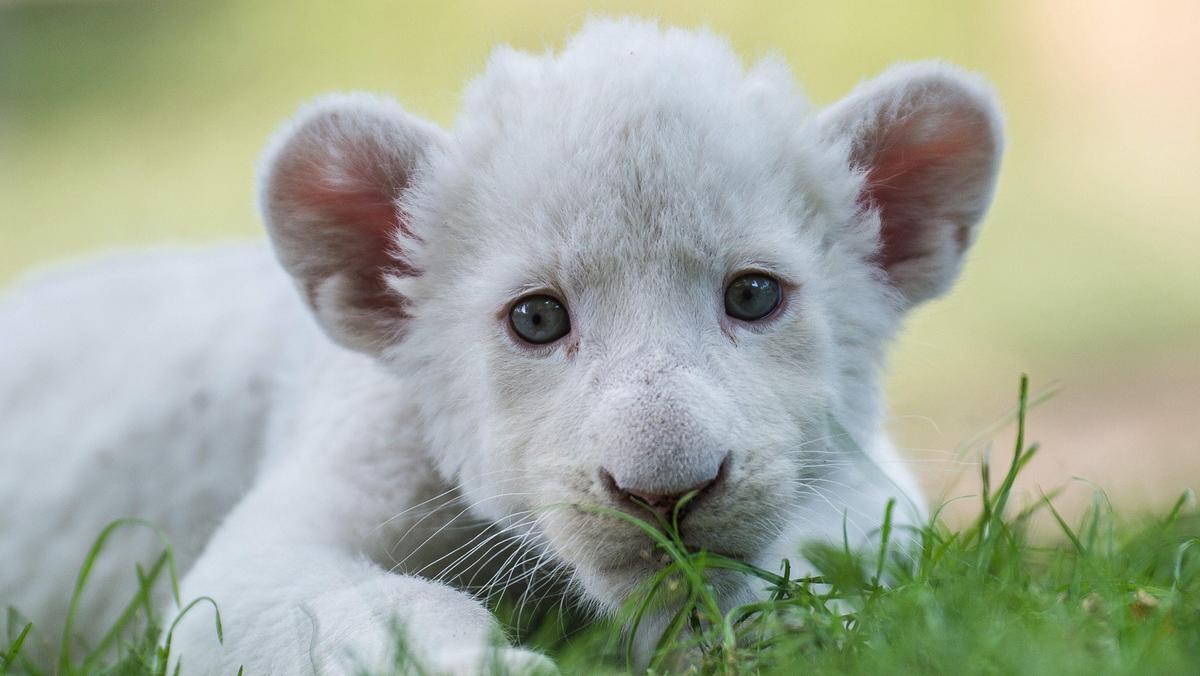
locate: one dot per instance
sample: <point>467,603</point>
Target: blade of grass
<point>1062,523</point>
<point>164,653</point>
<point>64,660</point>
<point>885,538</point>
<point>10,655</point>
<point>141,600</point>
<point>669,637</point>
<point>647,598</point>
<point>1188,496</point>
<point>1177,569</point>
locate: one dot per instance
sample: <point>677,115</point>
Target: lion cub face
<point>635,272</point>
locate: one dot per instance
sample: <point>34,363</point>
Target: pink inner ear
<point>357,202</point>
<point>908,180</point>
<point>350,207</point>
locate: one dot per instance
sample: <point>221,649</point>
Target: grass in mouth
<point>1113,597</point>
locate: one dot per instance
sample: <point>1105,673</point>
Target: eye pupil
<point>539,319</point>
<point>752,297</point>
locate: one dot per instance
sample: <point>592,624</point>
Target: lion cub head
<point>636,270</point>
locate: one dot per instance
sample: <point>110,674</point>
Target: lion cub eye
<point>752,297</point>
<point>539,319</point>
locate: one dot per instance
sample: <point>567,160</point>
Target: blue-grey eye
<point>752,297</point>
<point>539,319</point>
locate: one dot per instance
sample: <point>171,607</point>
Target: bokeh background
<point>137,123</point>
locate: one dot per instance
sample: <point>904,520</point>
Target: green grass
<point>1112,596</point>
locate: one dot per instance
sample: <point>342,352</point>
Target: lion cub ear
<point>926,139</point>
<point>330,192</point>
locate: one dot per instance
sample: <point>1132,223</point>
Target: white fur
<point>315,492</point>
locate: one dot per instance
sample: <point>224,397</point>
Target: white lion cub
<point>632,270</point>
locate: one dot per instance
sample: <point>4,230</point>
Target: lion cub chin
<point>633,271</point>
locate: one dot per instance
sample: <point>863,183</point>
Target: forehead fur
<point>617,70</point>
<point>636,144</point>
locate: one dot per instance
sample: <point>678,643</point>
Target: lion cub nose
<point>656,498</point>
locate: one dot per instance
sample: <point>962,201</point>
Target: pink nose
<point>660,501</point>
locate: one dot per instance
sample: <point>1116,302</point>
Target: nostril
<point>609,483</point>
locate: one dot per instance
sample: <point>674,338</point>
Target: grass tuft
<point>135,643</point>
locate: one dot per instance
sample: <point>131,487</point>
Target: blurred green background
<point>134,123</point>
